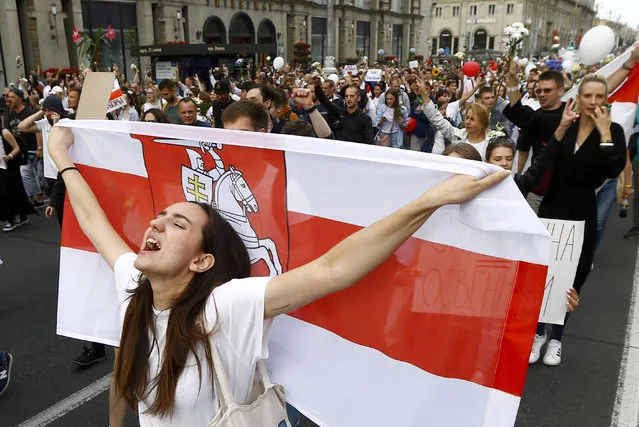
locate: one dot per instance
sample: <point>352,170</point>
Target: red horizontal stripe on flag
<point>129,207</point>
<point>629,90</point>
<point>460,304</point>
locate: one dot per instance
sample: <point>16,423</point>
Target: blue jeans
<point>605,199</point>
<point>31,173</point>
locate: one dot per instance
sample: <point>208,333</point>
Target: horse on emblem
<point>233,198</point>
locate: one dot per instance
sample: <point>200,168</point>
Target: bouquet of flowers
<point>515,35</point>
<point>90,47</point>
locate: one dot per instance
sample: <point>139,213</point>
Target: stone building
<point>463,25</point>
<point>201,33</point>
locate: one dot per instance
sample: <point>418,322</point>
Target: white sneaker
<point>539,342</point>
<point>553,353</point>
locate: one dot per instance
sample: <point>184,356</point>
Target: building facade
<point>40,31</point>
<point>465,25</point>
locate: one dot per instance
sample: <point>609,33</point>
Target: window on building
<point>433,50</point>
<point>479,39</point>
<point>456,45</point>
<point>123,19</point>
<point>363,39</point>
<point>319,39</point>
<point>398,41</point>
<point>438,12</point>
<point>510,8</point>
<point>473,11</point>
<point>491,42</point>
<point>445,40</point>
<point>491,9</point>
<point>455,10</point>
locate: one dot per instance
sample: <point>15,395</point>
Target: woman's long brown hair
<point>184,330</point>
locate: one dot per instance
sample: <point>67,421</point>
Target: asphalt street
<point>579,392</point>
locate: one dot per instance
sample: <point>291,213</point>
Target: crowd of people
<point>495,117</point>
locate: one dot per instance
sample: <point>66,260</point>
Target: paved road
<point>581,391</point>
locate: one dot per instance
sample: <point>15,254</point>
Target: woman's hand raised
<point>602,119</point>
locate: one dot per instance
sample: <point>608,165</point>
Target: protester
<point>31,171</point>
<point>354,124</point>
<point>155,115</point>
<point>187,110</point>
<point>174,276</point>
<point>42,122</point>
<point>501,152</point>
<point>584,150</point>
<point>128,112</point>
<point>391,120</point>
<point>13,198</point>
<point>476,122</point>
<point>168,90</point>
<point>153,99</point>
<point>462,150</point>
<point>222,101</point>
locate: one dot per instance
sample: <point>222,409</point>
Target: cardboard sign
<point>413,64</point>
<point>96,92</point>
<point>567,241</point>
<point>373,75</point>
<point>350,70</point>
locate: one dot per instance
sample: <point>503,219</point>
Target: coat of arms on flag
<point>246,186</point>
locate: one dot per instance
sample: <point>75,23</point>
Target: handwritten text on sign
<point>567,240</point>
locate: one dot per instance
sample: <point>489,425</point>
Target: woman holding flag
<point>188,289</point>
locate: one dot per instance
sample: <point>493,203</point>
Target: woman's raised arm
<point>90,215</point>
<point>362,252</point>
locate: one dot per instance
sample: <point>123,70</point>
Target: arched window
<point>214,31</point>
<point>445,41</point>
<point>480,39</point>
<point>266,32</point>
<point>241,30</point>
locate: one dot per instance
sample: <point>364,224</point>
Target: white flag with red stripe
<point>116,100</point>
<point>438,335</point>
<point>624,99</point>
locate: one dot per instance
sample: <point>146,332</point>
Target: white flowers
<point>515,35</point>
<point>134,67</point>
<point>496,134</point>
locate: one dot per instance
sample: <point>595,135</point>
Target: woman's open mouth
<point>152,245</point>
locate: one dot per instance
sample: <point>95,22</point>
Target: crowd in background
<point>498,116</point>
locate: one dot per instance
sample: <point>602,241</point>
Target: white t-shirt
<point>43,126</point>
<point>241,339</point>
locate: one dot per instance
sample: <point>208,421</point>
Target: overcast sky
<point>623,10</point>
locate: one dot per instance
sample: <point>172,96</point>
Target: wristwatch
<point>625,67</point>
<point>310,110</point>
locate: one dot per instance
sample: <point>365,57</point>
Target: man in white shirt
<point>43,121</point>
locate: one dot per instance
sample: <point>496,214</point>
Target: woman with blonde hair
<point>586,149</point>
<point>475,119</point>
<point>153,99</point>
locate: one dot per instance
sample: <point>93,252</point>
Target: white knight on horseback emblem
<point>228,192</point>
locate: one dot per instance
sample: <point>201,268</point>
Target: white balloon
<point>569,55</point>
<point>596,44</point>
<point>278,62</point>
<point>523,62</point>
<point>334,78</point>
